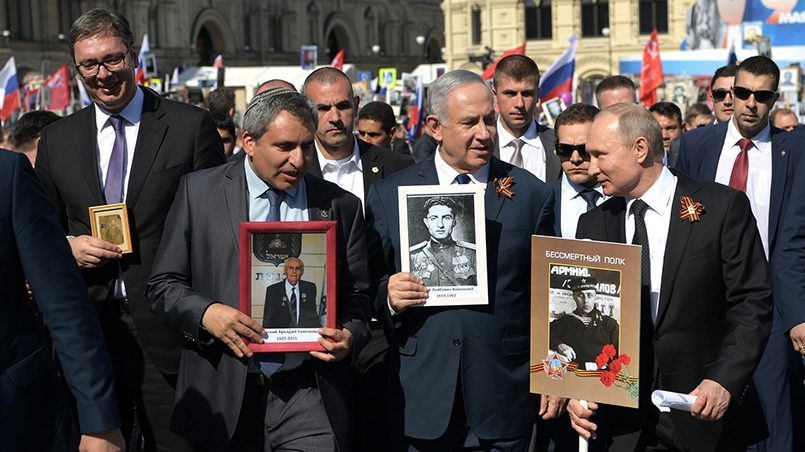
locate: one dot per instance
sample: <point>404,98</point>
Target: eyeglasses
<point>112,64</point>
<point>720,94</point>
<point>762,95</point>
<point>565,151</point>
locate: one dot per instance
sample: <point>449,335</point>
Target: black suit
<point>553,166</point>
<point>33,405</point>
<point>173,139</point>
<point>194,267</point>
<point>277,315</point>
<point>713,319</point>
<point>377,163</point>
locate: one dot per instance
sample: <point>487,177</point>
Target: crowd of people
<point>106,350</point>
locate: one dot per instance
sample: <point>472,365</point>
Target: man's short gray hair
<point>265,107</point>
<point>440,90</point>
<point>635,121</point>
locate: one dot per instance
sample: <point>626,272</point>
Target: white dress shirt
<point>106,137</point>
<point>292,208</point>
<point>573,205</point>
<point>758,182</point>
<point>658,219</point>
<point>532,150</point>
<point>347,173</point>
<point>447,174</point>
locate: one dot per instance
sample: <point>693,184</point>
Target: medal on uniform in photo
<point>110,222</point>
<point>691,210</point>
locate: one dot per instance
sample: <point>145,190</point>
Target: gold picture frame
<point>110,222</point>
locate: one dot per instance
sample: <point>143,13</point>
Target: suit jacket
<point>424,147</point>
<point>189,275</point>
<point>33,405</point>
<point>174,139</point>
<point>553,166</point>
<point>673,153</point>
<point>277,314</point>
<point>377,163</point>
<point>714,313</point>
<point>487,346</point>
<point>550,222</point>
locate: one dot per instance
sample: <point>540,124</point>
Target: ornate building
<point>372,33</point>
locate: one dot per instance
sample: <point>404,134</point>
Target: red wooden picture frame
<point>247,231</point>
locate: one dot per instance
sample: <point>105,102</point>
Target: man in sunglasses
<point>720,95</point>
<point>131,146</point>
<point>576,192</point>
<point>750,155</point>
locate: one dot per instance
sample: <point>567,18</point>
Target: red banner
<point>338,61</point>
<point>651,71</point>
<point>59,84</point>
<point>489,72</point>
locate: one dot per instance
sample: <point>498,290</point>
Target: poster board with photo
<point>272,254</point>
<point>110,222</point>
<point>443,237</point>
<point>585,320</point>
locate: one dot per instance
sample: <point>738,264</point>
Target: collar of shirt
<point>257,186</point>
<point>447,174</point>
<point>659,196</point>
<point>328,166</point>
<point>132,112</point>
<point>530,136</point>
<point>574,190</point>
<point>763,137</point>
<point>288,288</point>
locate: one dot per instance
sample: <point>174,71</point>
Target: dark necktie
<point>292,307</point>
<point>116,172</point>
<point>591,197</point>
<point>270,363</point>
<point>275,201</point>
<point>463,179</point>
<point>740,169</point>
<point>639,208</point>
<point>517,157</point>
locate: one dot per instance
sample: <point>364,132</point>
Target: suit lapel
<point>615,223</point>
<point>87,154</point>
<point>553,166</point>
<point>236,197</point>
<point>712,151</point>
<point>149,139</point>
<point>676,244</point>
<point>314,167</point>
<point>371,165</point>
<point>319,206</point>
<point>779,171</point>
<point>493,202</point>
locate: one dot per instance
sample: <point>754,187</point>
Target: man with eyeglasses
<point>720,96</point>
<point>750,155</point>
<point>576,192</point>
<point>130,147</point>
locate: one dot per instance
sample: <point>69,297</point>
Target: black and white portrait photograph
<point>441,228</point>
<point>584,313</point>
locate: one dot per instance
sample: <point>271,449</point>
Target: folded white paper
<point>667,400</point>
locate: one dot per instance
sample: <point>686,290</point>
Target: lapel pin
<point>375,169</point>
<point>691,210</point>
<point>324,213</point>
<point>783,153</point>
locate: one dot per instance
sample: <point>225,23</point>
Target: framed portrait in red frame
<point>288,282</point>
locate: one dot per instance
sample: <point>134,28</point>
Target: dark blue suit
<point>699,152</point>
<point>34,411</point>
<point>486,348</point>
<point>550,222</point>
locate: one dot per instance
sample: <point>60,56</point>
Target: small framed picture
<point>552,108</point>
<point>309,57</point>
<point>287,282</point>
<point>443,228</point>
<point>110,222</point>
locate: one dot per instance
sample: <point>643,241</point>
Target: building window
<point>153,27</point>
<point>20,20</point>
<point>69,10</point>
<point>594,17</point>
<point>313,22</point>
<point>538,24</point>
<point>276,33</point>
<point>653,14</point>
<point>476,26</point>
<point>247,31</point>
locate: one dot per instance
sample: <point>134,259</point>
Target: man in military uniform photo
<point>440,260</point>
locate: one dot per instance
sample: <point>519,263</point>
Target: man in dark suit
<point>33,405</point>
<point>340,157</point>
<point>287,401</point>
<point>576,192</point>
<point>522,141</point>
<point>748,154</point>
<point>705,300</point>
<point>669,116</point>
<point>130,146</point>
<point>291,303</point>
<point>459,375</point>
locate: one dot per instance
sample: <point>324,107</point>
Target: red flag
<point>651,71</point>
<point>338,61</point>
<point>489,72</point>
<point>59,84</point>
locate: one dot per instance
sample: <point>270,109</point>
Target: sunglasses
<point>762,95</point>
<point>720,94</point>
<point>565,151</point>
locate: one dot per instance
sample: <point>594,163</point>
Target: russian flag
<point>9,90</point>
<point>557,80</point>
<point>218,62</point>
<point>139,76</point>
<point>415,111</point>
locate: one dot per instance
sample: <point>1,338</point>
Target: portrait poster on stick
<point>287,282</point>
<point>443,237</point>
<point>110,222</point>
<point>585,320</point>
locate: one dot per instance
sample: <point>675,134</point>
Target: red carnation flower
<point>609,350</point>
<point>615,366</point>
<point>607,378</point>
<point>625,359</point>
<point>601,361</point>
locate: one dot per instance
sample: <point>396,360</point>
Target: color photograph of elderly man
<point>291,303</point>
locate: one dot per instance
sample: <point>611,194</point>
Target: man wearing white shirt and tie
<point>521,141</point>
<point>291,303</point>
